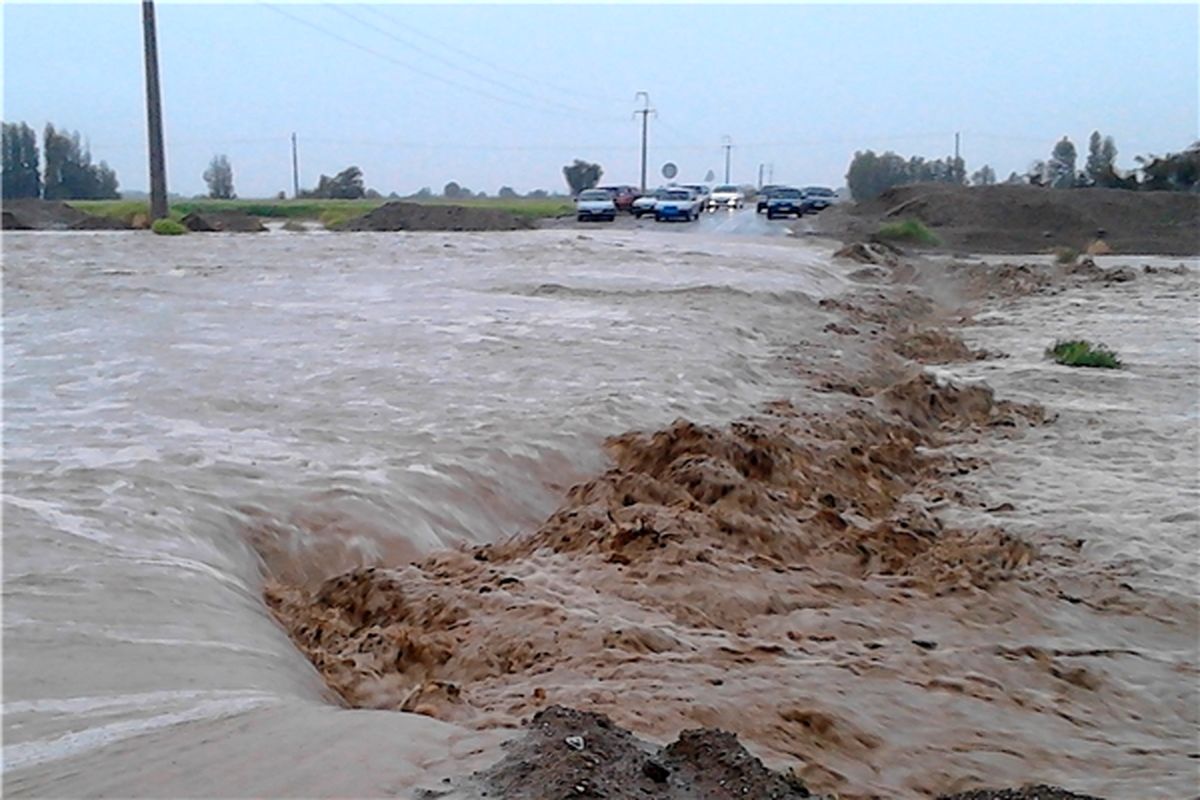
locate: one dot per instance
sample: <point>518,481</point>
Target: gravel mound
<point>53,215</point>
<point>399,216</point>
<point>223,222</point>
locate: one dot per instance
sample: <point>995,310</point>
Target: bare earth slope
<point>1029,219</point>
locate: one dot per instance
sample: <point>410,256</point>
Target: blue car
<point>784,203</point>
<point>677,203</point>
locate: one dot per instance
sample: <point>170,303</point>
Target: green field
<point>329,212</point>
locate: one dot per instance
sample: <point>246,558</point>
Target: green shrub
<point>168,227</point>
<point>909,230</point>
<point>1082,353</point>
<point>1065,255</point>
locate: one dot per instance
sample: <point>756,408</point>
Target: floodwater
<point>388,393</point>
<point>372,397</point>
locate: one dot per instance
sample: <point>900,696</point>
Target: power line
<point>466,54</point>
<point>410,67</point>
<point>479,76</point>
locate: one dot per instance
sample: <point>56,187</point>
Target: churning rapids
<point>183,416</point>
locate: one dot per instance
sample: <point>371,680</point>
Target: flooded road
<point>362,399</point>
<point>382,394</point>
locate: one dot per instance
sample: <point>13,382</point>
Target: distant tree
<point>582,175</point>
<point>481,193</point>
<point>506,192</point>
<point>1061,166</point>
<point>1102,154</point>
<point>20,162</point>
<point>424,193</point>
<point>372,194</point>
<point>346,185</point>
<point>452,190</point>
<point>69,173</point>
<point>1014,178</point>
<point>1037,174</point>
<point>219,177</point>
<point>537,194</point>
<point>393,196</point>
<point>870,175</point>
<point>1173,171</point>
<point>984,176</point>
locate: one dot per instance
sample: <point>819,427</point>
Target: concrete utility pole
<point>727,143</point>
<point>295,170</point>
<point>645,111</point>
<point>956,151</point>
<point>158,167</point>
<point>760,171</point>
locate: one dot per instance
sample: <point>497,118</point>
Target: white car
<point>644,204</point>
<point>595,204</point>
<point>702,192</point>
<point>677,202</point>
<point>726,197</point>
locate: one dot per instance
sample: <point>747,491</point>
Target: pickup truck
<point>785,202</point>
<point>677,202</point>
<point>595,204</point>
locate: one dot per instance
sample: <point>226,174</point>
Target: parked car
<point>764,194</point>
<point>702,192</point>
<point>785,202</point>
<point>726,196</point>
<point>595,204</point>
<point>623,196</point>
<point>677,202</point>
<point>818,198</point>
<point>645,204</point>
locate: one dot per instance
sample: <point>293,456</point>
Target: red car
<point>623,196</point>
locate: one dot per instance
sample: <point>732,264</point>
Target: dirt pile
<point>398,216</point>
<point>1024,793</point>
<point>223,222</point>
<point>1030,219</point>
<point>569,753</point>
<point>869,253</point>
<point>52,215</point>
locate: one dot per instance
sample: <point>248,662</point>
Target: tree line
<point>68,173</point>
<point>870,174</point>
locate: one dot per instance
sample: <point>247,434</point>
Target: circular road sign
<point>669,170</point>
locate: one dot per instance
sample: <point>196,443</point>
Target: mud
<point>566,753</point>
<point>1029,219</point>
<point>398,216</point>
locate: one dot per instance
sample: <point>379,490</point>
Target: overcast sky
<point>492,95</point>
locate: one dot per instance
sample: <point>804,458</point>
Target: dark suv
<point>764,194</point>
<point>623,196</point>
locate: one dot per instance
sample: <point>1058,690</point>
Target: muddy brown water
<point>370,398</point>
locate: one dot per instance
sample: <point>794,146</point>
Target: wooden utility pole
<point>158,167</point>
<point>295,170</point>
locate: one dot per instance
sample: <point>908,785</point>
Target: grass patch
<point>909,230</point>
<point>1082,353</point>
<point>329,212</point>
<point>168,227</point>
<point>1065,255</point>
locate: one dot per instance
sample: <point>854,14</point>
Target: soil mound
<point>1024,793</point>
<point>1031,219</point>
<point>570,753</point>
<point>53,215</point>
<point>869,253</point>
<point>223,222</point>
<point>398,216</point>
